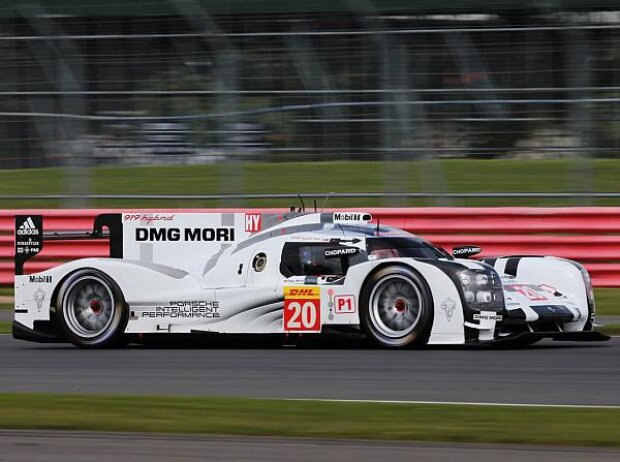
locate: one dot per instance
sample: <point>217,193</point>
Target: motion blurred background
<point>473,102</point>
<point>373,104</point>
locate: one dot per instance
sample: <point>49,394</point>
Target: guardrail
<point>590,235</point>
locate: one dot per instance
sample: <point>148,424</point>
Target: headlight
<point>465,278</point>
<point>484,297</point>
<point>470,297</point>
<point>482,279</point>
<point>482,289</point>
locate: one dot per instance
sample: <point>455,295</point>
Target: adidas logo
<point>28,228</point>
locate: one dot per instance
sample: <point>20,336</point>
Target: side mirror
<point>465,251</point>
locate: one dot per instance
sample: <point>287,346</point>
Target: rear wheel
<point>91,310</point>
<point>397,308</point>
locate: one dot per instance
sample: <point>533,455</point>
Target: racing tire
<point>91,310</point>
<point>396,308</point>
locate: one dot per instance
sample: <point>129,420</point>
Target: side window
<point>303,259</point>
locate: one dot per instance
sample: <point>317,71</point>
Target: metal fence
<point>194,87</point>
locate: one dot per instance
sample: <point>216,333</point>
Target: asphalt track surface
<point>546,373</point>
<point>28,446</point>
<point>552,373</point>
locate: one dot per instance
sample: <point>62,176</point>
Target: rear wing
<point>185,240</point>
<point>30,236</point>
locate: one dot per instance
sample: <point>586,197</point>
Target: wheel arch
<point>400,264</point>
<point>54,300</point>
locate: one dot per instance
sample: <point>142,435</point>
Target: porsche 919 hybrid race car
<point>290,273</point>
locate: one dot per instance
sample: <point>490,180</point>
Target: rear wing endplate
<point>30,236</point>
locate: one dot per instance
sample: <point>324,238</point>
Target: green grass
<point>5,327</point>
<point>610,329</point>
<point>459,175</point>
<point>236,416</point>
<point>6,291</point>
<point>607,301</point>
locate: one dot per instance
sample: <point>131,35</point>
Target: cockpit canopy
<point>330,258</point>
<point>410,246</point>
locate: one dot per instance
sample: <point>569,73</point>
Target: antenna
<point>325,201</point>
<point>303,206</point>
<point>315,205</point>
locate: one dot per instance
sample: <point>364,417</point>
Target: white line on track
<point>457,403</point>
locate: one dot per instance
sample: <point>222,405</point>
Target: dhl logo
<point>302,292</point>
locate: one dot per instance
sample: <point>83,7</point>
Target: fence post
<point>65,72</point>
<point>231,174</point>
<point>315,76</point>
<point>578,78</point>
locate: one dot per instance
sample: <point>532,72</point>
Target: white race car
<point>291,273</point>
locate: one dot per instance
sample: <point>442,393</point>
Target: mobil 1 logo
<point>28,239</point>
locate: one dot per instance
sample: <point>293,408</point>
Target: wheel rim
<point>395,306</point>
<point>89,306</point>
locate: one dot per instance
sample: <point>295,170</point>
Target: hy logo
<point>28,228</point>
<point>39,297</point>
<point>448,306</point>
<point>252,222</point>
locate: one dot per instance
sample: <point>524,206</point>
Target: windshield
<point>390,247</point>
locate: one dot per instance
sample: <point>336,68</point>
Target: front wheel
<point>91,310</point>
<point>397,308</point>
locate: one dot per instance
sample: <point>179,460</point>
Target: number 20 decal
<point>302,309</point>
<point>301,317</point>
